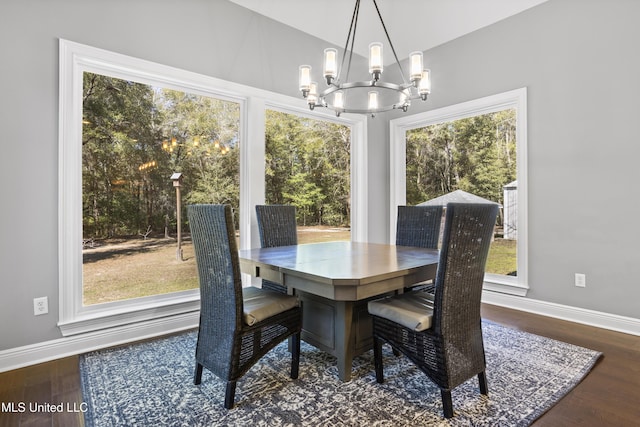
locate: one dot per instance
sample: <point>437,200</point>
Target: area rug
<point>151,384</point>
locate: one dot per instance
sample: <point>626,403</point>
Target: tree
<point>118,135</point>
<point>307,162</point>
<point>475,154</point>
<point>135,136</point>
<point>304,195</point>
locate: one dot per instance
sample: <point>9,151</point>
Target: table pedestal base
<point>341,328</point>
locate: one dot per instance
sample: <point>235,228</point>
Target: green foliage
<point>307,164</point>
<point>135,137</point>
<point>476,154</point>
<point>306,196</point>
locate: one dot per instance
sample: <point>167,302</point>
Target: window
<point>134,137</point>
<point>140,141</point>
<point>478,147</point>
<point>175,309</point>
<point>308,166</point>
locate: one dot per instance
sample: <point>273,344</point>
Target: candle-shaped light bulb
<point>304,77</point>
<point>415,61</point>
<point>338,99</point>
<point>375,59</point>
<point>373,100</point>
<point>312,98</point>
<point>424,88</point>
<point>330,64</point>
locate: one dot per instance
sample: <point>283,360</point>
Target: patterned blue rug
<point>151,384</point>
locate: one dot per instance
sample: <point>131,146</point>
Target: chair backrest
<point>419,226</point>
<point>468,231</point>
<point>214,241</point>
<point>277,225</point>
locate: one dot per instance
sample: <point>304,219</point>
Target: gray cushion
<point>413,310</point>
<point>260,304</point>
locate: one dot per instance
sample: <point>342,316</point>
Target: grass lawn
<point>124,269</point>
<point>136,268</point>
<point>502,257</point>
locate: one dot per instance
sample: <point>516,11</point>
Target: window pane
<point>308,165</point>
<point>135,138</point>
<point>476,155</point>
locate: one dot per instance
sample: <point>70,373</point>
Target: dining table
<point>334,282</point>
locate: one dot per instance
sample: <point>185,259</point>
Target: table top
<point>344,263</point>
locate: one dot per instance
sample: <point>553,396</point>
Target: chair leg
<point>197,376</point>
<point>230,394</point>
<point>295,355</point>
<point>447,403</point>
<point>482,379</point>
<point>377,358</point>
<point>396,353</point>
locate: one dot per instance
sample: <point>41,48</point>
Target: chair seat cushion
<point>260,304</point>
<point>413,310</point>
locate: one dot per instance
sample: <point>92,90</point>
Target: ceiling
<point>412,24</point>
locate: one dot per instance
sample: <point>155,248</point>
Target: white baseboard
<point>77,344</point>
<point>614,322</point>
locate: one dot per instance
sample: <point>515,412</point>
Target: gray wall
<point>211,37</point>
<point>579,61</point>
<point>577,57</point>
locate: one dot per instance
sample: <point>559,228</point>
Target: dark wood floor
<point>608,396</point>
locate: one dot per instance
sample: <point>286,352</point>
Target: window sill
<point>505,284</point>
<point>112,315</point>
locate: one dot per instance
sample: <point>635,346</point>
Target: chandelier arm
<point>384,27</point>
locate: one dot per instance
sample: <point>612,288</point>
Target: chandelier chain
<point>386,33</point>
<point>353,27</point>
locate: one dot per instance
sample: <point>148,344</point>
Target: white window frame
<point>75,59</point>
<point>516,99</point>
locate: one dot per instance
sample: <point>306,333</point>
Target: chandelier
<point>369,96</point>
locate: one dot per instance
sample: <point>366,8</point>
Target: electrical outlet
<point>40,306</point>
<point>581,280</point>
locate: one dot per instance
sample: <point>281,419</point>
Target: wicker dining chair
<point>441,332</point>
<point>237,325</point>
<point>277,227</point>
<point>419,226</point>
